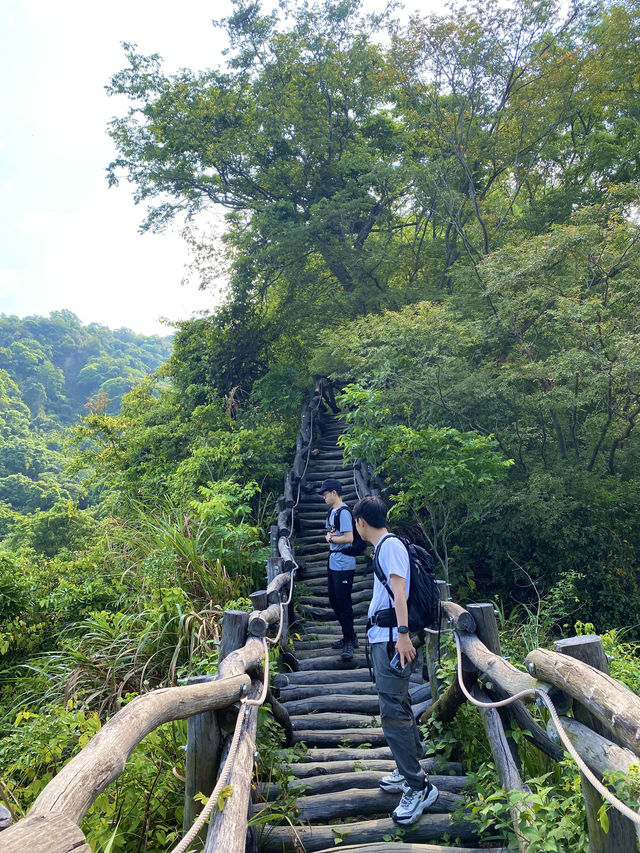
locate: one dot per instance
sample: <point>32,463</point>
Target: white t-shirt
<point>393,559</point>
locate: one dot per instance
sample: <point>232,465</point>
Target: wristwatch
<point>403,629</point>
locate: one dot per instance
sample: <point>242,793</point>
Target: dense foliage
<point>441,215</point>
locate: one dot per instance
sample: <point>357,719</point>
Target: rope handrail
<point>566,742</point>
<point>248,703</point>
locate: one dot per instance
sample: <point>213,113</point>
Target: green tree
<point>436,477</point>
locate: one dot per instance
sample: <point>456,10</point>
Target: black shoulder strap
<point>336,517</point>
<point>376,565</point>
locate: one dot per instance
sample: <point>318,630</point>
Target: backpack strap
<point>336,517</point>
<point>376,565</point>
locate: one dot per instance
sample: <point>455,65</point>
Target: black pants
<point>339,585</point>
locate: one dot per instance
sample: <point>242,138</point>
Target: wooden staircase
<point>334,709</point>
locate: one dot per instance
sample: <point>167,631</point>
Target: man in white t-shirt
<point>398,723</point>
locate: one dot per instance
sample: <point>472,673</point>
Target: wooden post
<point>487,630</point>
<point>228,828</point>
<point>259,599</point>
<point>621,837</point>
<point>486,625</point>
<point>201,764</point>
<point>431,649</point>
<point>234,632</point>
<point>203,730</point>
<point>288,487</point>
<point>274,566</point>
<point>273,539</point>
<point>508,772</point>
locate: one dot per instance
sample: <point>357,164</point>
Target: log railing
<point>209,703</point>
<point>602,735</point>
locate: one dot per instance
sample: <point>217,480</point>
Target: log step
<point>354,802</point>
<point>430,827</point>
<point>361,779</point>
<point>331,721</point>
<point>346,737</point>
<point>434,765</point>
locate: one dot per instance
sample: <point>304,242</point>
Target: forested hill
<point>58,364</point>
<point>53,370</point>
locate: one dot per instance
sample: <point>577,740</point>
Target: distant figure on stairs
<point>388,633</point>
<point>340,567</point>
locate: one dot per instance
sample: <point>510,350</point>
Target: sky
<point>66,240</point>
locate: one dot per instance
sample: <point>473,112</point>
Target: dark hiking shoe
<point>338,644</point>
<point>347,651</point>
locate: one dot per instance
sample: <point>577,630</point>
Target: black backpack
<point>355,548</point>
<point>424,600</point>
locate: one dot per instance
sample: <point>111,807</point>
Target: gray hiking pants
<point>398,724</point>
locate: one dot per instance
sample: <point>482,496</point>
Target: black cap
<point>330,485</point>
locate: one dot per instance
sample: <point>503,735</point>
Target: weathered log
<point>274,565</point>
<point>430,827</point>
<point>446,707</point>
<point>300,458</point>
<point>286,552</point>
<point>281,716</point>
<point>361,779</point>
<point>459,618</point>
<point>331,722</point>
<point>285,522</point>
<point>305,423</point>
<point>531,730</point>
<point>360,478</point>
<point>486,625</point>
<point>403,847</point>
<point>246,659</point>
<point>498,670</point>
<point>506,768</point>
<point>201,761</point>
<point>381,766</point>
<point>323,808</point>
<point>273,540</point>
<point>329,676</point>
<point>339,704</point>
<point>259,599</point>
<point>341,737</point>
<point>80,781</point>
<point>6,818</point>
<point>234,632</point>
<point>44,833</point>
<point>622,832</point>
<point>280,583</point>
<point>351,688</point>
<point>288,487</point>
<point>432,648</point>
<point>608,700</point>
<point>261,621</point>
<point>599,753</point>
<point>333,662</point>
<point>228,828</point>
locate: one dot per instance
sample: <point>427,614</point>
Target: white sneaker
<point>413,803</point>
<point>393,782</point>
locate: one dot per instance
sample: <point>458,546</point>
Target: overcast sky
<point>66,240</point>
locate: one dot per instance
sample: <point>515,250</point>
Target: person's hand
<point>328,536</point>
<point>405,649</point>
